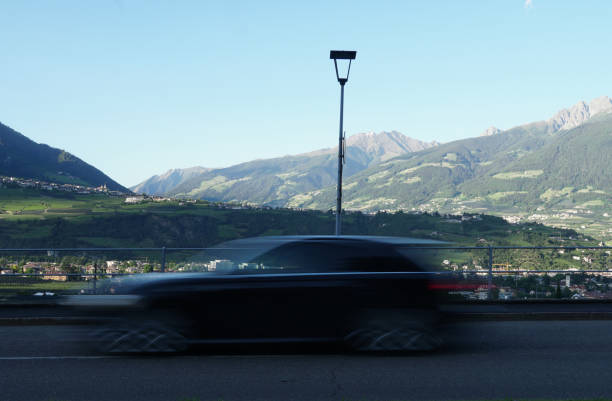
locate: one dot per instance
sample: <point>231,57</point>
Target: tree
<point>68,267</point>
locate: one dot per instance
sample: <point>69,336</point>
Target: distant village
<point>544,285</point>
<point>54,186</point>
<point>130,197</point>
<point>75,271</point>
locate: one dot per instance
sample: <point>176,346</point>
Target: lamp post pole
<point>350,56</point>
<point>340,160</point>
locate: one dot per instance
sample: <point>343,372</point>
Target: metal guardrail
<point>162,255</point>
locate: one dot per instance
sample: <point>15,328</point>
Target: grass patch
<point>412,180</point>
<point>41,285</point>
<point>379,175</point>
<point>420,166</point>
<point>593,203</point>
<point>500,195</point>
<point>554,193</point>
<point>511,175</point>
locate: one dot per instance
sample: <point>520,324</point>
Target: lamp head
<point>342,55</point>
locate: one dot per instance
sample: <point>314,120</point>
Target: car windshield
<point>320,256</point>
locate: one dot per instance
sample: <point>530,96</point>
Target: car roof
<point>250,248</point>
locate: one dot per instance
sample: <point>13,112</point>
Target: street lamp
<point>350,56</point>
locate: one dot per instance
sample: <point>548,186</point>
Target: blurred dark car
<point>371,293</point>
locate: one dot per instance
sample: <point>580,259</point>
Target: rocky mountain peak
<point>387,144</point>
<point>162,183</point>
<point>491,131</point>
<point>602,104</point>
<point>579,113</point>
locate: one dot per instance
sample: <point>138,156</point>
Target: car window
<point>312,256</point>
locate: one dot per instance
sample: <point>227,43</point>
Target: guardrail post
<point>490,275</point>
<point>95,278</point>
<point>163,259</point>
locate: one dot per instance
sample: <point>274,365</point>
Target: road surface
<point>483,360</point>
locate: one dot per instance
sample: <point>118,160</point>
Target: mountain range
<point>554,171</point>
<point>275,181</point>
<point>24,158</point>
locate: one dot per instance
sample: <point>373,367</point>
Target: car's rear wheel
<point>149,337</point>
<point>380,331</point>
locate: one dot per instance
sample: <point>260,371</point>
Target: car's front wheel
<point>393,331</point>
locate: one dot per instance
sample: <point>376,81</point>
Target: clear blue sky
<point>139,87</point>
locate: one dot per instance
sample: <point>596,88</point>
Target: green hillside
<point>24,158</point>
<point>29,218</point>
<point>270,181</point>
<point>576,159</point>
<point>409,181</point>
<point>527,174</point>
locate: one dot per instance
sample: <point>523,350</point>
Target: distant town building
<point>134,199</point>
<point>220,265</point>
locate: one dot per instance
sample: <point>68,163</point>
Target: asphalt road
<point>483,360</point>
